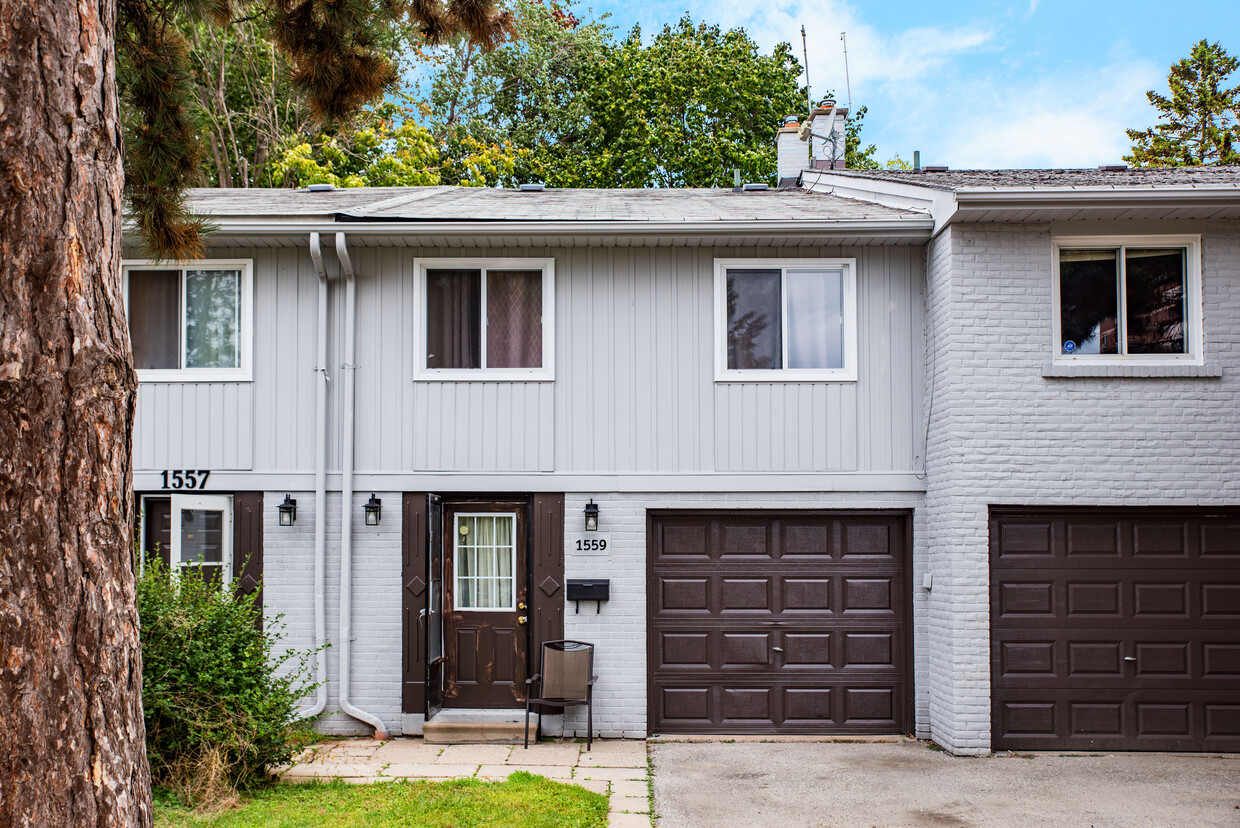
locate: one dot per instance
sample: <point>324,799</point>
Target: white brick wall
<point>288,588</point>
<point>1002,434</point>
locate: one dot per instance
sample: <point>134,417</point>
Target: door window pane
<point>212,318</point>
<point>754,319</point>
<point>155,318</point>
<point>1089,301</point>
<point>453,319</point>
<point>815,318</point>
<point>1154,286</point>
<point>202,544</point>
<point>514,319</point>
<point>485,562</point>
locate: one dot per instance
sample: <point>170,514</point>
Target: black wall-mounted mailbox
<point>588,589</point>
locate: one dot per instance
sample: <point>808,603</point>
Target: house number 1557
<point>185,478</point>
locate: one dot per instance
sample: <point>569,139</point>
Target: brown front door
<point>779,622</point>
<point>485,598</point>
<point>1115,629</point>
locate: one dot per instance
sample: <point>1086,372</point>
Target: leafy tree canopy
<point>1198,123</point>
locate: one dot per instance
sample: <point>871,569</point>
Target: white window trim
<point>245,329</point>
<point>1192,300</point>
<point>456,561</point>
<point>846,374</point>
<point>544,374</point>
<point>221,503</point>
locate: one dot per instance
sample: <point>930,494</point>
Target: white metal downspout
<point>346,495</point>
<point>320,493</point>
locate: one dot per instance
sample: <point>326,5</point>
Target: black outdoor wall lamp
<point>373,507</point>
<point>288,511</point>
<point>591,516</point>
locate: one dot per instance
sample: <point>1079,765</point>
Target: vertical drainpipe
<point>320,492</point>
<point>346,495</point>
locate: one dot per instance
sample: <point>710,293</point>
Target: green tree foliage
<point>1198,123</point>
<point>333,56</point>
<point>218,696</point>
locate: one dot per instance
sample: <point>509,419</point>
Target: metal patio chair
<point>566,677</point>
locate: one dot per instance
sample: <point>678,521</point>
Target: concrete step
<point>487,727</point>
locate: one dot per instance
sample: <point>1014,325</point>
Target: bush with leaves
<point>219,697</point>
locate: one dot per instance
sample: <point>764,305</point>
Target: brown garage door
<point>779,622</point>
<point>1115,629</point>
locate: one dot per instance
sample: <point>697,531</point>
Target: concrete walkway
<point>906,783</point>
<point>616,768</point>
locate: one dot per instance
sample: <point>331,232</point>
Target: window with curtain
<point>484,562</point>
<point>485,319</point>
<point>188,320</point>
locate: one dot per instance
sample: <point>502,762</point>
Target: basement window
<point>189,322</point>
<point>1134,300</point>
<point>785,320</point>
<point>485,319</point>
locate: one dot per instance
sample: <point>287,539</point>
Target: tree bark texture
<point>72,749</point>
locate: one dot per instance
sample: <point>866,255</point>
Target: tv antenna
<point>809,101</point>
<point>847,81</point>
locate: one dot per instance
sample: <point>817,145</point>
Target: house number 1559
<point>185,478</point>
<point>591,544</point>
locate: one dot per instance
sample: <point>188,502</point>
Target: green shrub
<point>218,700</point>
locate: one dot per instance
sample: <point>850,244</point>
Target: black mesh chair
<point>566,677</point>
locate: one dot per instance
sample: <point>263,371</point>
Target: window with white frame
<point>485,318</point>
<point>191,321</point>
<point>485,562</point>
<point>1134,299</point>
<point>789,319</point>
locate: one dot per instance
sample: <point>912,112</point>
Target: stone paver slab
<point>556,772</point>
<point>611,774</point>
<point>630,788</point>
<point>544,754</point>
<point>407,753</point>
<point>599,786</point>
<point>427,771</point>
<point>613,760</point>
<point>328,770</point>
<point>615,820</point>
<point>474,754</point>
<point>632,804</point>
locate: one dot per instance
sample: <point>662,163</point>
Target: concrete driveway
<point>906,783</point>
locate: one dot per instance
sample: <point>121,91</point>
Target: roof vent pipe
<point>346,494</point>
<point>532,188</point>
<point>321,188</point>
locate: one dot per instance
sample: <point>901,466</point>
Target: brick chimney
<point>791,153</point>
<point>829,121</point>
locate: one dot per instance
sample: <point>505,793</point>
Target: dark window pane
<point>202,536</point>
<point>157,524</point>
<point>453,319</point>
<point>212,319</point>
<point>754,323</point>
<point>1154,280</point>
<point>155,318</point>
<point>1089,301</point>
<point>514,319</point>
<point>815,318</point>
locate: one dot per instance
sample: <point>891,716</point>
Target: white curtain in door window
<point>484,562</point>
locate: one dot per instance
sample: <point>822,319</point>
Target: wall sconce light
<point>373,507</point>
<point>591,516</point>
<point>288,511</point>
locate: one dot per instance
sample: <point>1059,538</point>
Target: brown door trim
<point>905,658</point>
<point>414,593</point>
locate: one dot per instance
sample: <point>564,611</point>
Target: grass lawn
<point>522,801</point>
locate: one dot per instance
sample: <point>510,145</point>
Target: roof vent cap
<point>532,188</point>
<point>321,188</point>
<point>934,168</point>
<point>755,188</point>
<point>1113,167</point>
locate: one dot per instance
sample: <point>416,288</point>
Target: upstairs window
<point>485,319</point>
<point>1127,299</point>
<point>786,320</point>
<point>189,322</point>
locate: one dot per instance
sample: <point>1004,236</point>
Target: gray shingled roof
<point>1170,177</point>
<point>454,204</point>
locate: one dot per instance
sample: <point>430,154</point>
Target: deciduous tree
<point>1198,123</point>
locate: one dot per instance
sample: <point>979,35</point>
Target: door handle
<point>778,649</point>
<point>521,619</point>
<point>1130,658</point>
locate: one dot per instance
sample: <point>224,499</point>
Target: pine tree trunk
<point>71,735</point>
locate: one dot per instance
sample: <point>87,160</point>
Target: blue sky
<point>1034,83</point>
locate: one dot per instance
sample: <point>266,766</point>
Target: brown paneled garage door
<point>1115,629</point>
<point>779,622</point>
